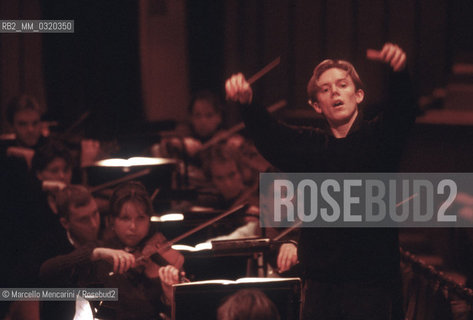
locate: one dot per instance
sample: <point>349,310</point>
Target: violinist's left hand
<point>169,275</point>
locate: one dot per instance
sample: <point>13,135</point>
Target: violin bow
<point>126,178</point>
<point>202,226</point>
<point>240,126</point>
<point>270,66</point>
<point>278,105</point>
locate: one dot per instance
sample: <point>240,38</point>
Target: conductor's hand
<point>391,54</point>
<point>287,257</point>
<point>238,89</point>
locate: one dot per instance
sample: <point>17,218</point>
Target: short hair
<point>220,153</point>
<point>47,153</point>
<point>74,196</point>
<point>133,191</point>
<point>312,87</point>
<point>248,304</point>
<point>21,103</point>
<point>208,96</point>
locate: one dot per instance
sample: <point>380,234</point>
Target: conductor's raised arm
<point>390,54</point>
<point>238,89</point>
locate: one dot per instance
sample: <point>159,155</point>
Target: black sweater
<point>342,254</point>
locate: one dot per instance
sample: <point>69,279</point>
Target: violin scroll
<point>158,250</point>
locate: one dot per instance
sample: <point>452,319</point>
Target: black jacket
<point>343,254</point>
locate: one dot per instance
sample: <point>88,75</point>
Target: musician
<point>78,214</point>
<point>349,273</point>
<point>24,116</point>
<point>227,175</point>
<point>52,167</point>
<point>53,162</point>
<point>206,115</point>
<point>131,209</point>
<point>205,120</point>
<point>251,162</point>
<point>79,217</point>
<point>248,304</point>
<point>27,213</point>
<point>28,206</point>
<point>145,289</point>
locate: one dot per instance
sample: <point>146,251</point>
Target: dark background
<point>97,68</point>
<point>98,65</point>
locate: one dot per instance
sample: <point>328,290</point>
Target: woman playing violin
<point>145,288</point>
<point>125,260</point>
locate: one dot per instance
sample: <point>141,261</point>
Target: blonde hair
<point>313,88</point>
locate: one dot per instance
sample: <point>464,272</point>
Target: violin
<point>154,249</point>
<point>158,250</point>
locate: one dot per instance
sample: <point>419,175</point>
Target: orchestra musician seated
<point>52,165</point>
<point>125,261</point>
<point>226,173</point>
<point>31,209</point>
<point>205,122</point>
<point>52,169</point>
<point>78,215</point>
<point>30,212</point>
<point>23,114</point>
<point>248,304</point>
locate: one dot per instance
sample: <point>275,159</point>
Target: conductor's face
<point>337,97</point>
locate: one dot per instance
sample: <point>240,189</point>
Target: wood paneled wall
<point>20,57</point>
